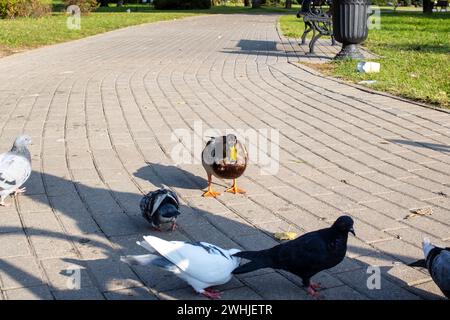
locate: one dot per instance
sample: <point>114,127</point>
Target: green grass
<point>24,33</point>
<point>414,51</point>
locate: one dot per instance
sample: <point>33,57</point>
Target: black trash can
<point>350,26</point>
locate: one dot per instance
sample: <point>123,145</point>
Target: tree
<point>288,4</point>
<point>428,6</point>
<point>247,3</point>
<point>256,4</point>
<point>103,3</point>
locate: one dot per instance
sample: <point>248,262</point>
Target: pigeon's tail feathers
<point>257,261</point>
<point>427,247</point>
<point>163,186</point>
<point>149,259</point>
<point>249,255</point>
<point>145,245</point>
<point>141,260</point>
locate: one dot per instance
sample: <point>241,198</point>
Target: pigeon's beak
<point>352,231</point>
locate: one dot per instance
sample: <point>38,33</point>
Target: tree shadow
<point>101,235</point>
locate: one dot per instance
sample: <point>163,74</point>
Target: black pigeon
<point>161,209</point>
<point>305,256</point>
<point>437,261</point>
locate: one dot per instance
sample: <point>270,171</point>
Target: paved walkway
<point>101,112</point>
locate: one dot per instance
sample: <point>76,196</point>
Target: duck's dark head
<point>343,225</point>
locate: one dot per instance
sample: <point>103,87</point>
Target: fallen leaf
<point>285,235</point>
<point>419,212</point>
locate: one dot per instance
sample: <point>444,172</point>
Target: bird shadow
<point>101,224</point>
<point>174,176</point>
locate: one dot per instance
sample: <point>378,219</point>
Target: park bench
<point>316,20</point>
<point>443,4</point>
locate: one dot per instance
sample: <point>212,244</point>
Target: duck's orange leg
<point>210,192</point>
<point>234,189</point>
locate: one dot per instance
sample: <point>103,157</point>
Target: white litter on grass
<point>367,82</point>
<point>368,67</point>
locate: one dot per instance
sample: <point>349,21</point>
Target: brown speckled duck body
<point>224,157</point>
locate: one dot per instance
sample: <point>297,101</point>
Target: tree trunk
<point>427,6</point>
<point>288,4</point>
<point>256,4</point>
<point>103,3</point>
<point>247,3</point>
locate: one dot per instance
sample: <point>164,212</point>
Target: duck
<point>224,157</point>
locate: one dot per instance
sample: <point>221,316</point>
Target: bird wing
<point>308,252</point>
<point>209,153</point>
<point>160,196</point>
<point>202,261</point>
<point>242,154</point>
<point>14,171</point>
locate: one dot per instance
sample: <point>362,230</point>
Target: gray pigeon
<point>305,256</point>
<point>437,261</point>
<point>161,208</point>
<point>15,168</point>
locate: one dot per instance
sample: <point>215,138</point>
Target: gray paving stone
<point>428,290</point>
<point>342,293</point>
<point>358,279</point>
<point>400,249</point>
<point>139,293</point>
<point>341,150</point>
<point>60,272</point>
<point>34,203</point>
<point>14,244</point>
<point>181,294</point>
<point>90,293</point>
<point>243,293</point>
<point>20,272</point>
<point>111,274</point>
<point>275,287</point>
<point>10,222</point>
<point>31,293</point>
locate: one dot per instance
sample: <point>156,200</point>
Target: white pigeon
<point>15,168</point>
<point>200,264</point>
<point>437,261</point>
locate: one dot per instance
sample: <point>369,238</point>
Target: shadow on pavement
<point>101,232</point>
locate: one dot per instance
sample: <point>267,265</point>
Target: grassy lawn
<point>415,51</point>
<point>24,33</point>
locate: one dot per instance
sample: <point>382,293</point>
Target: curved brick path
<point>98,109</point>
